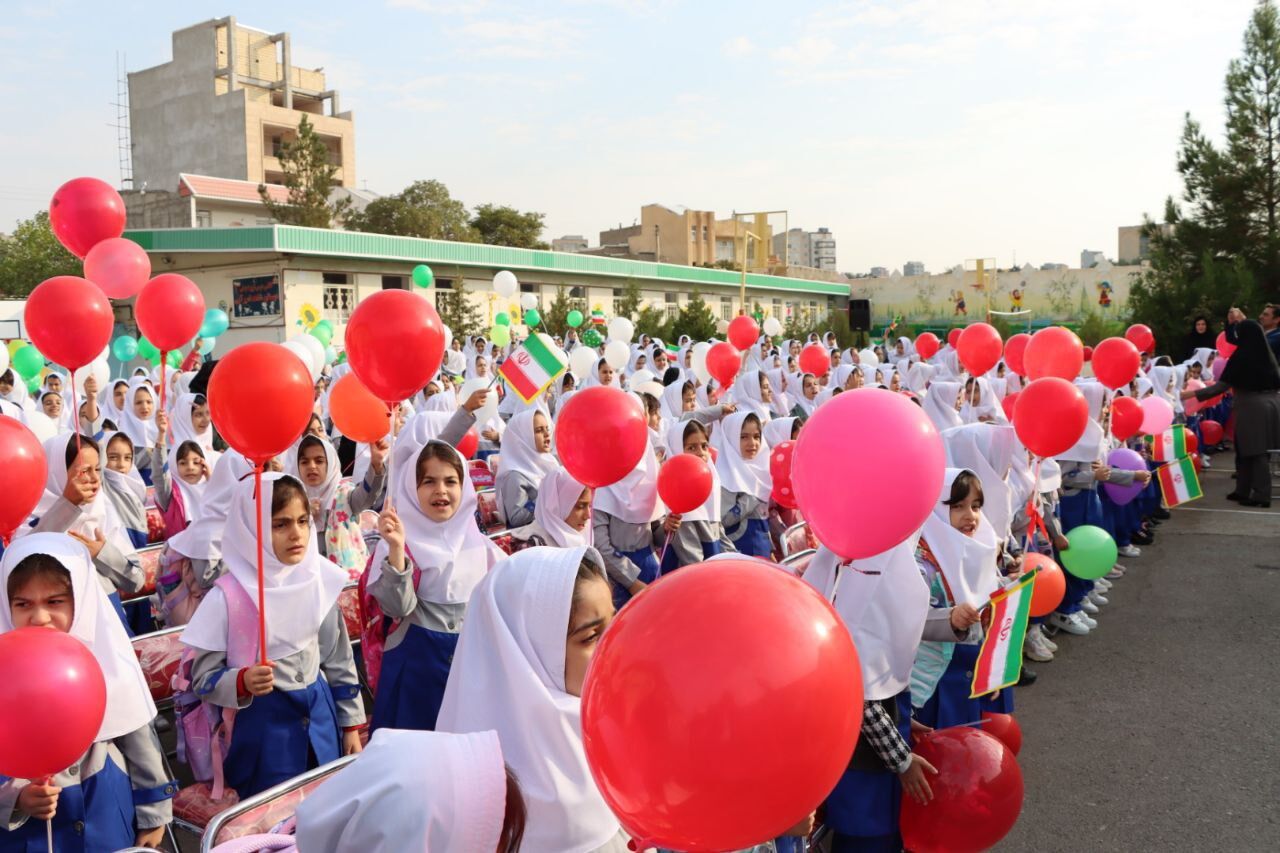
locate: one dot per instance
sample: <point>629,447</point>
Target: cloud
<point>805,51</point>
<point>738,46</point>
<point>519,37</point>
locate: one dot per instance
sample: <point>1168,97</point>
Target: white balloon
<point>301,350</point>
<point>448,338</point>
<point>40,424</point>
<point>505,284</point>
<point>489,410</point>
<point>581,360</point>
<point>100,370</point>
<point>772,327</point>
<point>528,301</point>
<point>617,354</point>
<point>699,362</point>
<point>640,377</point>
<point>4,360</point>
<point>313,345</point>
<point>621,329</point>
<point>868,358</point>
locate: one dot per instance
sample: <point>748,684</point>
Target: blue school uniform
<point>863,808</point>
<point>754,540</point>
<point>1074,510</point>
<point>282,735</point>
<point>647,562</point>
<point>671,561</point>
<point>414,675</point>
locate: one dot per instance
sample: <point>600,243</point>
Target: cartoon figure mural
<point>957,296</point>
<point>1104,293</point>
<point>1015,296</point>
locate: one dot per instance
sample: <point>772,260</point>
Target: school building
<point>266,276</point>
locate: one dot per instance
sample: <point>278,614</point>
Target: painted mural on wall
<point>948,299</point>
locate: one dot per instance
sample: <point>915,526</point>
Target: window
<point>673,305</point>
<point>776,310</point>
<point>528,288</point>
<point>617,302</point>
<point>693,233</point>
<point>443,284</point>
<point>204,218</point>
<point>335,278</point>
<point>577,293</point>
<point>726,308</point>
<point>339,302</point>
<point>393,282</point>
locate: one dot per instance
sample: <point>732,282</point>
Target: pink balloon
<point>1157,415</point>
<point>1193,405</point>
<point>868,435</point>
<point>119,266</point>
<point>1225,348</point>
<point>1219,365</point>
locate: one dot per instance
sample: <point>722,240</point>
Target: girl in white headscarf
<point>699,534</point>
<point>743,467</point>
<point>180,474</point>
<point>336,503</point>
<point>191,422</point>
<point>526,459</point>
<point>124,487</point>
<point>140,423</point>
<point>47,581</point>
<point>431,557</point>
<point>807,399</point>
<point>940,404</point>
<point>846,377</point>
<point>532,628</point>
<point>562,515</point>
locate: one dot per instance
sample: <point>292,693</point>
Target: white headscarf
<point>142,433</point>
<point>132,482</point>
<point>710,510</point>
<point>738,474</point>
<point>987,450</point>
<point>778,430</point>
<point>183,429</point>
<point>1090,446</point>
<point>673,400</point>
<point>940,404</point>
<point>511,658</point>
<point>839,377</point>
<point>192,493</point>
<point>918,376</point>
<point>1161,377</point>
<point>107,402</point>
<point>410,790</point>
<point>298,597</point>
<point>968,563</point>
<point>324,493</point>
<point>202,540</point>
<point>519,453</point>
<point>557,496</point>
<point>97,514</point>
<point>746,393</point>
<point>95,623</point>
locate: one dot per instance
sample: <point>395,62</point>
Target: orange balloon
<point>1049,587</point>
<point>356,412</point>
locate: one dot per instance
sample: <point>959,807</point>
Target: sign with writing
<point>256,297</point>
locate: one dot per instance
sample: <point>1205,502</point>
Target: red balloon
<point>977,794</point>
<point>22,460</point>
<point>684,482</point>
<point>601,434</point>
<point>1050,416</point>
<point>1005,728</point>
<point>979,347</point>
<point>743,332</point>
<point>815,359</point>
<point>1055,351</point>
<point>784,493</point>
<point>1211,432</point>
<point>1190,437</point>
<point>469,444</point>
<point>695,764</point>
<point>1008,403</point>
<point>1141,337</point>
<point>1225,347</point>
<point>1116,362</point>
<point>953,337</point>
<point>1050,584</point>
<point>261,399</point>
<point>170,311</point>
<point>1088,353</point>
<point>1126,417</point>
<point>69,320</point>
<point>119,266</point>
<point>1014,349</point>
<point>927,345</point>
<point>357,413</point>
<point>52,701</point>
<point>395,343</point>
<point>84,212</point>
<point>1195,460</point>
<point>723,363</point>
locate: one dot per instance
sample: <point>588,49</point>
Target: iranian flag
<point>1169,446</point>
<point>1000,661</point>
<point>531,368</point>
<point>1178,482</point>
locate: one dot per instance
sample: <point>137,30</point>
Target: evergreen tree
<point>32,254</point>
<point>695,319</point>
<point>628,305</point>
<point>652,321</point>
<point>310,179</point>
<point>458,312</point>
<point>555,320</point>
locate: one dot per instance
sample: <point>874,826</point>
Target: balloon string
<point>262,613</point>
<point>665,546</point>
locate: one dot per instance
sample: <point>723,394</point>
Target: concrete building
<point>201,201</point>
<point>1053,266</point>
<point>823,252</point>
<point>678,235</point>
<point>224,106</point>
<point>913,268</point>
<point>569,243</point>
<point>800,248</point>
<point>1090,258</point>
<point>879,272</point>
<point>1133,245</point>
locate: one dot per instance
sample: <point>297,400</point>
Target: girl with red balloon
<point>77,747</point>
<point>287,717</point>
<point>140,423</point>
<point>699,535</point>
<point>743,465</point>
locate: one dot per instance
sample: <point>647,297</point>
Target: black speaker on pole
<point>860,315</point>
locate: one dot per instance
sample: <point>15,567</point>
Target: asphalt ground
<point>1160,730</point>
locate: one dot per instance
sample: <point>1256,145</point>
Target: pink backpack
<point>376,626</point>
<point>204,729</point>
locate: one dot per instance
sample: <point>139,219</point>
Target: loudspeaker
<point>860,315</point>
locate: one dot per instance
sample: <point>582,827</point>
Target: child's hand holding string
<point>476,400</point>
<point>162,428</point>
<point>39,800</point>
<point>671,523</point>
<point>378,454</point>
<point>260,680</point>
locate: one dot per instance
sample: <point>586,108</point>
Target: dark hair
<point>795,428</point>
<point>314,417</point>
<point>69,457</point>
<point>966,482</point>
<point>750,418</point>
<point>285,491</point>
<point>310,440</point>
<point>587,571</point>
<point>187,448</point>
<point>651,405</point>
<point>1253,365</point>
<point>691,427</point>
<point>202,400</point>
<point>672,375</point>
<point>443,452</point>
<point>50,394</point>
<point>120,436</point>
<point>514,816</point>
<point>37,566</point>
<point>7,376</point>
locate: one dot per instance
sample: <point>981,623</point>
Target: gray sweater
<point>117,570</point>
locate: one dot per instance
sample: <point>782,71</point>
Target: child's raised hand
<point>39,801</point>
<point>391,530</point>
<point>378,454</point>
<point>963,615</point>
<point>728,409</point>
<point>261,679</point>
<point>914,783</point>
<point>476,400</point>
<point>162,425</point>
<point>94,545</point>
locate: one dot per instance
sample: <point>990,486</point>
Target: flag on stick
<point>1179,482</point>
<point>532,367</point>
<point>1000,660</point>
<point>1170,445</point>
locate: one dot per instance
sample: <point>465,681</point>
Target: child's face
<point>313,465</point>
<point>42,602</point>
<point>5,385</point>
<point>541,433</point>
<point>696,444</point>
<point>640,362</point>
<point>591,614</point>
<point>143,404</point>
<point>606,373</point>
<point>855,380</point>
<point>439,490</point>
<point>482,367</point>
<point>200,417</point>
<point>52,404</point>
<point>191,468</point>
<point>766,390</point>
<point>835,359</point>
<point>315,427</point>
<point>688,358</point>
<point>581,512</point>
<point>749,441</point>
<point>1193,371</point>
<point>118,394</point>
<point>274,465</point>
<point>55,384</point>
<point>688,399</point>
<point>966,514</point>
<point>290,531</point>
<point>895,384</point>
<point>120,456</point>
<point>660,363</point>
<point>898,348</point>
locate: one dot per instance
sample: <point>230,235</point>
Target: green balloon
<point>591,338</point>
<point>125,348</point>
<point>33,385</point>
<point>500,335</point>
<point>423,276</point>
<point>1092,552</point>
<point>575,318</point>
<point>174,359</point>
<point>322,332</point>
<point>532,317</point>
<point>148,350</point>
<point>501,319</point>
<point>28,362</point>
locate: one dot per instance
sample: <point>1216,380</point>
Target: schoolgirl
<point>140,424</point>
<point>118,794</point>
<point>743,468</point>
<point>526,460</point>
<point>562,515</point>
<point>302,708</point>
<point>124,487</point>
<point>336,503</point>
<point>422,573</point>
<point>807,400</point>
<point>699,534</point>
<point>191,422</point>
<point>941,404</point>
<point>180,476</point>
<point>533,625</point>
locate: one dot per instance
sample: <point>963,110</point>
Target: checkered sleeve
<point>879,730</point>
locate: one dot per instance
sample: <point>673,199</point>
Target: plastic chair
<point>797,563</point>
<point>795,539</point>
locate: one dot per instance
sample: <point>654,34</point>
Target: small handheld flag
<point>1179,482</point>
<point>1000,660</point>
<point>531,368</point>
<point>1170,445</point>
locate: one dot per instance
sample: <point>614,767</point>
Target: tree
<point>457,311</point>
<point>506,226</point>
<point>652,321</point>
<point>628,304</point>
<point>310,178</point>
<point>695,319</point>
<point>32,254</point>
<point>422,209</point>
<point>555,319</point>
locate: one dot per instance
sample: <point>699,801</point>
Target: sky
<point>929,130</point>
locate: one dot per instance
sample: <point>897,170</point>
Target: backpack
<point>204,729</point>
<point>376,626</point>
<point>178,589</point>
